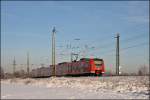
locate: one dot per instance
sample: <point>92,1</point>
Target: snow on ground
<point>122,87</point>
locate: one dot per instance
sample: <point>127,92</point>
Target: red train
<point>85,66</point>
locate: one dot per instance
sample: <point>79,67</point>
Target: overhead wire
<point>126,40</point>
<point>122,49</point>
<point>110,44</point>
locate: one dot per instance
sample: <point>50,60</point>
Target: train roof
<point>87,59</point>
<point>98,59</point>
<point>62,63</point>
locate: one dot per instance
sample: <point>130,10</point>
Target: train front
<point>97,66</point>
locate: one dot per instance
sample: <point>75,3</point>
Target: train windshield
<point>98,63</point>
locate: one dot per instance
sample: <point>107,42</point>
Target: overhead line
<point>127,40</point>
<point>131,38</point>
<point>122,49</point>
<point>110,44</point>
<point>141,44</point>
<point>134,38</point>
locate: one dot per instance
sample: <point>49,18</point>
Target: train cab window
<point>98,63</point>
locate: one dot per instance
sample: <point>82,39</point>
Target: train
<point>85,66</point>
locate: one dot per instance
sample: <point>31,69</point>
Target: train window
<point>73,67</point>
<point>77,67</point>
<point>98,63</point>
<point>69,68</point>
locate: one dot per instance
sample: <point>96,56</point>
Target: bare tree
<point>139,72</point>
<point>143,70</point>
<point>20,74</point>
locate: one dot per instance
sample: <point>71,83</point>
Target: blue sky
<point>27,25</point>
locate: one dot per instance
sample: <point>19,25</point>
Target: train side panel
<point>84,66</point>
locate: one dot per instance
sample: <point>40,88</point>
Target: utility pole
<point>53,51</point>
<point>14,66</point>
<point>117,54</point>
<point>28,70</point>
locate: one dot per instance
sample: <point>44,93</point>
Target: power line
<point>111,44</point>
<point>102,38</point>
<point>122,49</point>
<point>126,40</point>
<point>137,45</point>
<point>107,37</point>
<point>134,37</point>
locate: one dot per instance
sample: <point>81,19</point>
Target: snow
<point>122,87</point>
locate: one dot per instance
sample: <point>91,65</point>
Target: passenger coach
<point>85,66</point>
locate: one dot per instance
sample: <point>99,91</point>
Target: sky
<point>26,26</point>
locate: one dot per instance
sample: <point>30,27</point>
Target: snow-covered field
<point>122,87</point>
